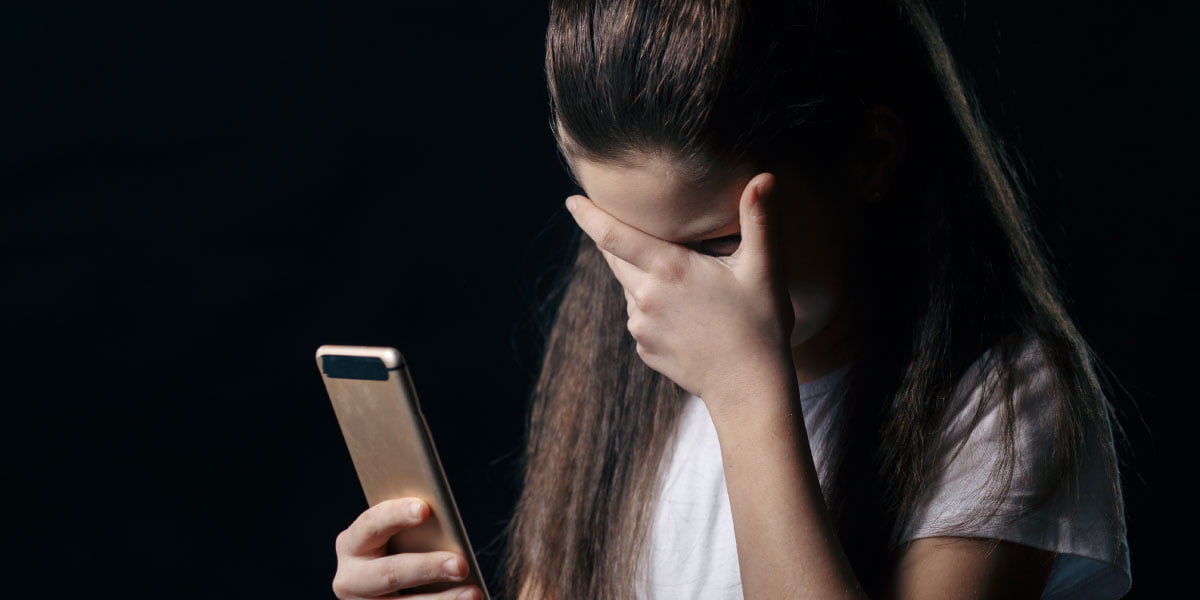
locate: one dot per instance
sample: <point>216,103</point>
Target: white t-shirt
<point>692,550</point>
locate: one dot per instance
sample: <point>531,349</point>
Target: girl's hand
<point>705,322</point>
<point>365,570</point>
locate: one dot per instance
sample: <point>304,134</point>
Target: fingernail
<point>571,202</point>
<point>466,595</point>
<point>452,567</point>
<point>414,509</point>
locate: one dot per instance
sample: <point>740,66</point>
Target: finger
<point>629,275</point>
<point>757,221</point>
<point>453,594</point>
<point>635,246</point>
<point>629,303</point>
<point>367,535</point>
<point>402,571</point>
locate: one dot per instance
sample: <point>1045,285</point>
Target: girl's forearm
<point>786,542</point>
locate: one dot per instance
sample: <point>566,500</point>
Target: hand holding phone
<point>365,570</point>
<point>377,409</point>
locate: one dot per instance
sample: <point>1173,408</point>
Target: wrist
<point>764,388</point>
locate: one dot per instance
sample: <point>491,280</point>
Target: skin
<point>669,208</point>
<point>742,330</point>
<point>773,314</point>
<point>364,569</point>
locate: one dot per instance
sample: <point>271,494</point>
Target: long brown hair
<point>723,85</point>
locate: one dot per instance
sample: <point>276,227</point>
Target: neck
<point>825,351</point>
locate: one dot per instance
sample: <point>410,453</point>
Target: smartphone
<point>377,409</point>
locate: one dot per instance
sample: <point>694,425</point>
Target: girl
<point>809,347</point>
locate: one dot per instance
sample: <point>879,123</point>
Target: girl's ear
<point>879,153</point>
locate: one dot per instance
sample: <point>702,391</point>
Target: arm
<point>962,567</point>
<point>739,362</point>
<point>786,542</point>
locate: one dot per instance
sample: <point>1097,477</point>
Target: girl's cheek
<point>813,305</point>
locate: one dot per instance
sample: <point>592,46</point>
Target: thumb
<point>757,216</point>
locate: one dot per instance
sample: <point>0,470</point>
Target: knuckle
<point>341,544</point>
<point>636,324</point>
<point>647,300</point>
<point>608,237</point>
<point>634,297</point>
<point>339,586</point>
<point>431,570</point>
<point>396,575</point>
<point>372,528</point>
<point>668,269</point>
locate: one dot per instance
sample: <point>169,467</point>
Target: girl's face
<point>652,197</point>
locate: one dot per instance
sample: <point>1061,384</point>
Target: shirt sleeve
<point>1088,533</point>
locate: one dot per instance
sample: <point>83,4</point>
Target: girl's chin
<point>813,309</point>
<point>805,331</point>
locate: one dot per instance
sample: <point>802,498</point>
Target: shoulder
<point>1009,390</point>
<point>1019,364</point>
<point>1008,419</point>
<point>1002,431</point>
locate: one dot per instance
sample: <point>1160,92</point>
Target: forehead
<point>650,194</point>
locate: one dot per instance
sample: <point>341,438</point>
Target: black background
<point>197,195</point>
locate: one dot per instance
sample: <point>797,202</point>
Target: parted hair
<point>949,267</point>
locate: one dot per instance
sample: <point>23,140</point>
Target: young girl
<point>809,347</point>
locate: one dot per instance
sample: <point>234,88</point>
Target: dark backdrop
<point>197,195</point>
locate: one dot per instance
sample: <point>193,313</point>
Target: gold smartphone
<point>376,405</point>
